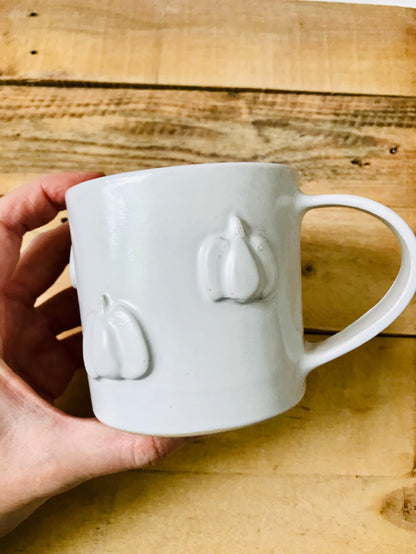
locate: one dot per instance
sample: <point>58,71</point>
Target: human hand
<point>42,450</point>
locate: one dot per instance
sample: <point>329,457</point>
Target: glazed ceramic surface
<point>189,287</point>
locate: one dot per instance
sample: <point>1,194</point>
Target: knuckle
<point>144,451</point>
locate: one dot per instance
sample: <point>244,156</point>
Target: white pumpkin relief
<point>114,343</point>
<point>235,266</point>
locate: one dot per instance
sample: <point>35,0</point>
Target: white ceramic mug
<point>189,286</point>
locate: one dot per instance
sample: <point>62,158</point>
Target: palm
<point>28,333</point>
<point>44,362</point>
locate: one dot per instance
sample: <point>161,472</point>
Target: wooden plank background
<point>118,86</point>
<point>363,145</point>
<point>284,44</point>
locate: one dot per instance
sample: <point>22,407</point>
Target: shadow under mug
<point>189,285</point>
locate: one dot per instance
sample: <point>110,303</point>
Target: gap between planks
<point>331,332</point>
<point>53,83</point>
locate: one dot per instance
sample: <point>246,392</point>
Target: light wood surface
<point>191,512</point>
<point>283,44</point>
<point>336,473</point>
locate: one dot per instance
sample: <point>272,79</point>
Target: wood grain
<point>283,44</point>
<point>188,513</point>
<point>362,145</point>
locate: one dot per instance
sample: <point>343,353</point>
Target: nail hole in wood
<point>33,14</point>
<point>308,269</point>
<point>394,149</point>
<point>33,52</point>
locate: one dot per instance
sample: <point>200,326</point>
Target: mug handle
<point>393,302</point>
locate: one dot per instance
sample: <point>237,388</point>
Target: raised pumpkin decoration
<point>114,343</point>
<point>236,266</point>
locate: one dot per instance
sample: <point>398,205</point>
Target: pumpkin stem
<point>104,302</point>
<point>235,226</point>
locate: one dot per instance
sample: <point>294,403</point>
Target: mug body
<point>189,288</point>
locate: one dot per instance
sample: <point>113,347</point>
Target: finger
<point>61,311</point>
<point>73,345</point>
<point>41,264</point>
<point>38,202</point>
<point>102,450</point>
<point>47,366</point>
<point>31,206</point>
<point>81,449</point>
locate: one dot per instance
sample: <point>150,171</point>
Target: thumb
<point>88,449</point>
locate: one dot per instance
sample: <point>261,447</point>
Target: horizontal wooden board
<point>357,418</point>
<point>158,513</point>
<point>346,144</point>
<point>396,3</point>
<point>276,44</point>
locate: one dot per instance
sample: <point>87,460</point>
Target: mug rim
<point>111,178</point>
